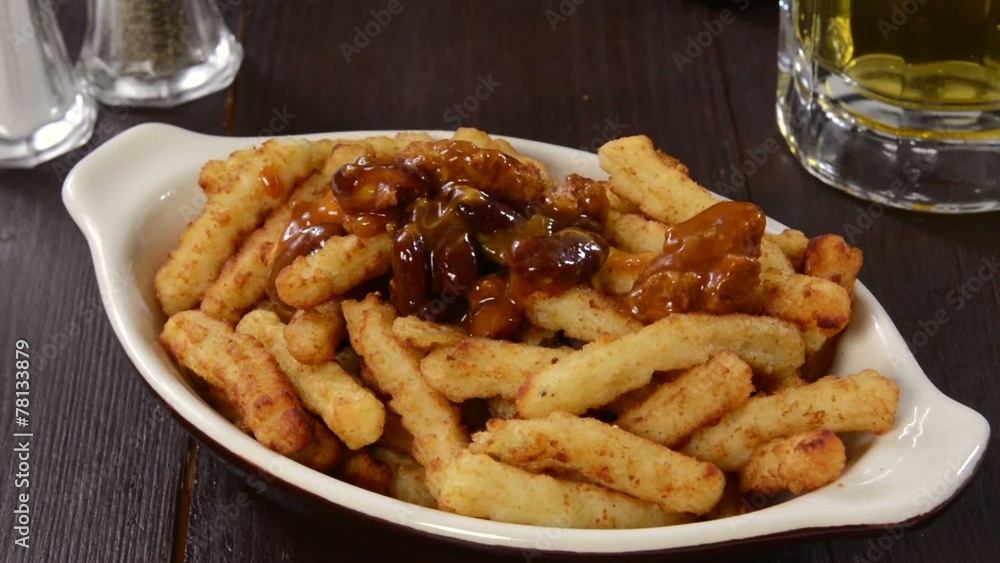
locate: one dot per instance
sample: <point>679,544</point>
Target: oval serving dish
<point>133,196</point>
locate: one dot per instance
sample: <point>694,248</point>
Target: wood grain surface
<point>114,478</point>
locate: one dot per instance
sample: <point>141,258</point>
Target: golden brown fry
<point>659,185</point>
<point>483,140</point>
<point>314,335</point>
<point>324,452</point>
<point>802,462</point>
<point>622,206</point>
<point>243,280</point>
<point>349,409</point>
<point>601,371</point>
<point>618,273</point>
<point>394,436</point>
<point>830,257</point>
<point>216,175</point>
<point>820,351</point>
<point>605,456</point>
<point>480,367</point>
<point>537,336</point>
<point>477,485</point>
<point>241,368</point>
<point>284,312</point>
<point>425,335</point>
<point>264,182</point>
<point>331,271</point>
<point>362,470</point>
<point>436,426</point>
<point>793,245</point>
<point>406,137</point>
<point>772,258</point>
<point>634,233</point>
<point>864,401</point>
<point>635,397</point>
<point>502,408</point>
<point>815,304</point>
<point>582,313</point>
<point>408,482</point>
<point>695,398</point>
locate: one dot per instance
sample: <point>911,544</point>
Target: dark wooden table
<point>113,478</point>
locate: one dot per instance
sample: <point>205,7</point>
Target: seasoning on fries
<point>488,340</point>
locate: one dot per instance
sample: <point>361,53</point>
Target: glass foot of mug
<point>70,131</point>
<point>909,172</point>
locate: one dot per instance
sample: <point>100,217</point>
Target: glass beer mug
<point>895,101</point>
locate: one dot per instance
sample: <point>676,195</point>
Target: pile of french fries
<point>632,425</point>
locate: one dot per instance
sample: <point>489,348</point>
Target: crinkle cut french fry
<point>693,399</point>
<point>793,245</point>
<point>830,257</point>
<point>240,366</point>
<point>436,426</point>
<point>812,303</point>
<point>409,480</point>
<point>601,371</point>
<point>481,367</point>
<point>477,485</point>
<point>217,174</point>
<point>482,140</point>
<point>361,469</point>
<point>265,181</point>
<point>802,462</point>
<point>243,280</point>
<point>324,452</point>
<point>331,271</point>
<point>404,138</point>
<point>314,335</point>
<point>618,273</point>
<point>864,401</point>
<point>425,335</point>
<point>582,313</point>
<point>348,408</point>
<point>394,436</point>
<point>772,258</point>
<point>634,233</point>
<point>605,456</point>
<point>660,186</point>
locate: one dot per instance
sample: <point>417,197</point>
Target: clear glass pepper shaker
<point>157,53</point>
<point>44,109</point>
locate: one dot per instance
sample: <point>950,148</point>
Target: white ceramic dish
<point>133,196</point>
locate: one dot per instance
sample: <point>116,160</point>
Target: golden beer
<point>935,54</point>
<point>896,101</point>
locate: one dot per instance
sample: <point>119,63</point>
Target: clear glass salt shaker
<point>157,53</point>
<point>44,108</point>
